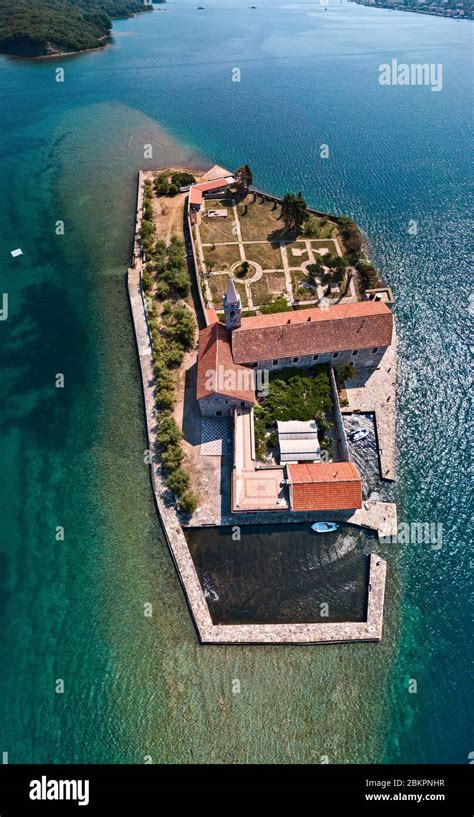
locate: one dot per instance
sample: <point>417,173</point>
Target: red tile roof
<point>315,331</point>
<point>195,196</point>
<point>197,190</point>
<point>216,371</point>
<point>325,486</point>
<point>211,315</point>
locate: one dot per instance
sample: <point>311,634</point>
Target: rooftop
<point>313,331</point>
<point>216,371</point>
<point>325,486</point>
<point>197,190</point>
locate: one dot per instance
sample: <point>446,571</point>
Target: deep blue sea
<point>73,457</point>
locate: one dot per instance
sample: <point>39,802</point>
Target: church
<point>231,353</point>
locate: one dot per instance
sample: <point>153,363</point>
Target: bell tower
<point>232,307</point>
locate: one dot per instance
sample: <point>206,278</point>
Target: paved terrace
<point>208,633</point>
<point>374,390</point>
<point>254,489</point>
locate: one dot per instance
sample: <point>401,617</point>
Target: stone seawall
<point>209,633</point>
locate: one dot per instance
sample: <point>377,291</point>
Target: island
<point>56,27</point>
<point>267,348</point>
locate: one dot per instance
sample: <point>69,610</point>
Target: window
<point>375,350</point>
<point>295,359</point>
<point>275,362</point>
<point>355,352</point>
<point>336,354</point>
<point>315,357</point>
<point>226,402</point>
<point>218,413</point>
<point>242,403</point>
<point>254,365</point>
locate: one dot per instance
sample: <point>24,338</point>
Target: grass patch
<point>294,260</point>
<point>267,255</point>
<point>301,293</point>
<point>217,230</point>
<point>260,292</point>
<point>259,221</point>
<point>276,282</point>
<point>222,256</point>
<point>329,246</point>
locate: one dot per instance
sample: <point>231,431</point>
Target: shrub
<point>243,269</point>
<point>173,354</point>
<point>345,372</point>
<point>164,399</point>
<point>172,457</point>
<point>162,290</point>
<point>163,376</point>
<point>368,274</point>
<point>147,280</point>
<point>168,432</point>
<point>180,325</point>
<point>351,237</point>
<point>187,502</point>
<point>161,184</point>
<point>311,227</point>
<point>277,305</point>
<point>178,481</point>
<point>182,179</point>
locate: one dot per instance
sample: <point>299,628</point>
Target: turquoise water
<point>73,457</point>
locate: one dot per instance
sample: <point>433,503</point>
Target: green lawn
<point>293,260</point>
<point>330,246</point>
<point>295,394</point>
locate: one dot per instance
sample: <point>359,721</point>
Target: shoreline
<point>413,10</point>
<point>61,54</point>
<point>369,630</point>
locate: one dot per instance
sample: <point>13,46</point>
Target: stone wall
<point>363,358</point>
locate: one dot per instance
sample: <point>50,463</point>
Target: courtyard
<point>267,262</point>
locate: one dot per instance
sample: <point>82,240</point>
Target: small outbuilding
<point>298,441</point>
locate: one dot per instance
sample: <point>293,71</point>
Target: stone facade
<point>217,405</point>
<point>364,358</point>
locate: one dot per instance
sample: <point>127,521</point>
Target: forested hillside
<point>40,27</point>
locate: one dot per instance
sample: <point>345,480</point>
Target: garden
<point>294,394</point>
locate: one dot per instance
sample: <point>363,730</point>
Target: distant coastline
<point>60,28</point>
<point>454,11</point>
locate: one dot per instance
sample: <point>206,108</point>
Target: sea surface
<point>81,548</point>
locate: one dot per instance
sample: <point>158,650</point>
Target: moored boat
<point>324,527</point>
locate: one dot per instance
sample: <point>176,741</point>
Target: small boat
<point>359,434</point>
<point>324,527</point>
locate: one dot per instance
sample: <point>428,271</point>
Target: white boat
<point>324,527</point>
<point>360,434</point>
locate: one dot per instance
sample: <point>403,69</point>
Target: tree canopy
<point>45,27</point>
<point>294,212</point>
<point>243,178</point>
